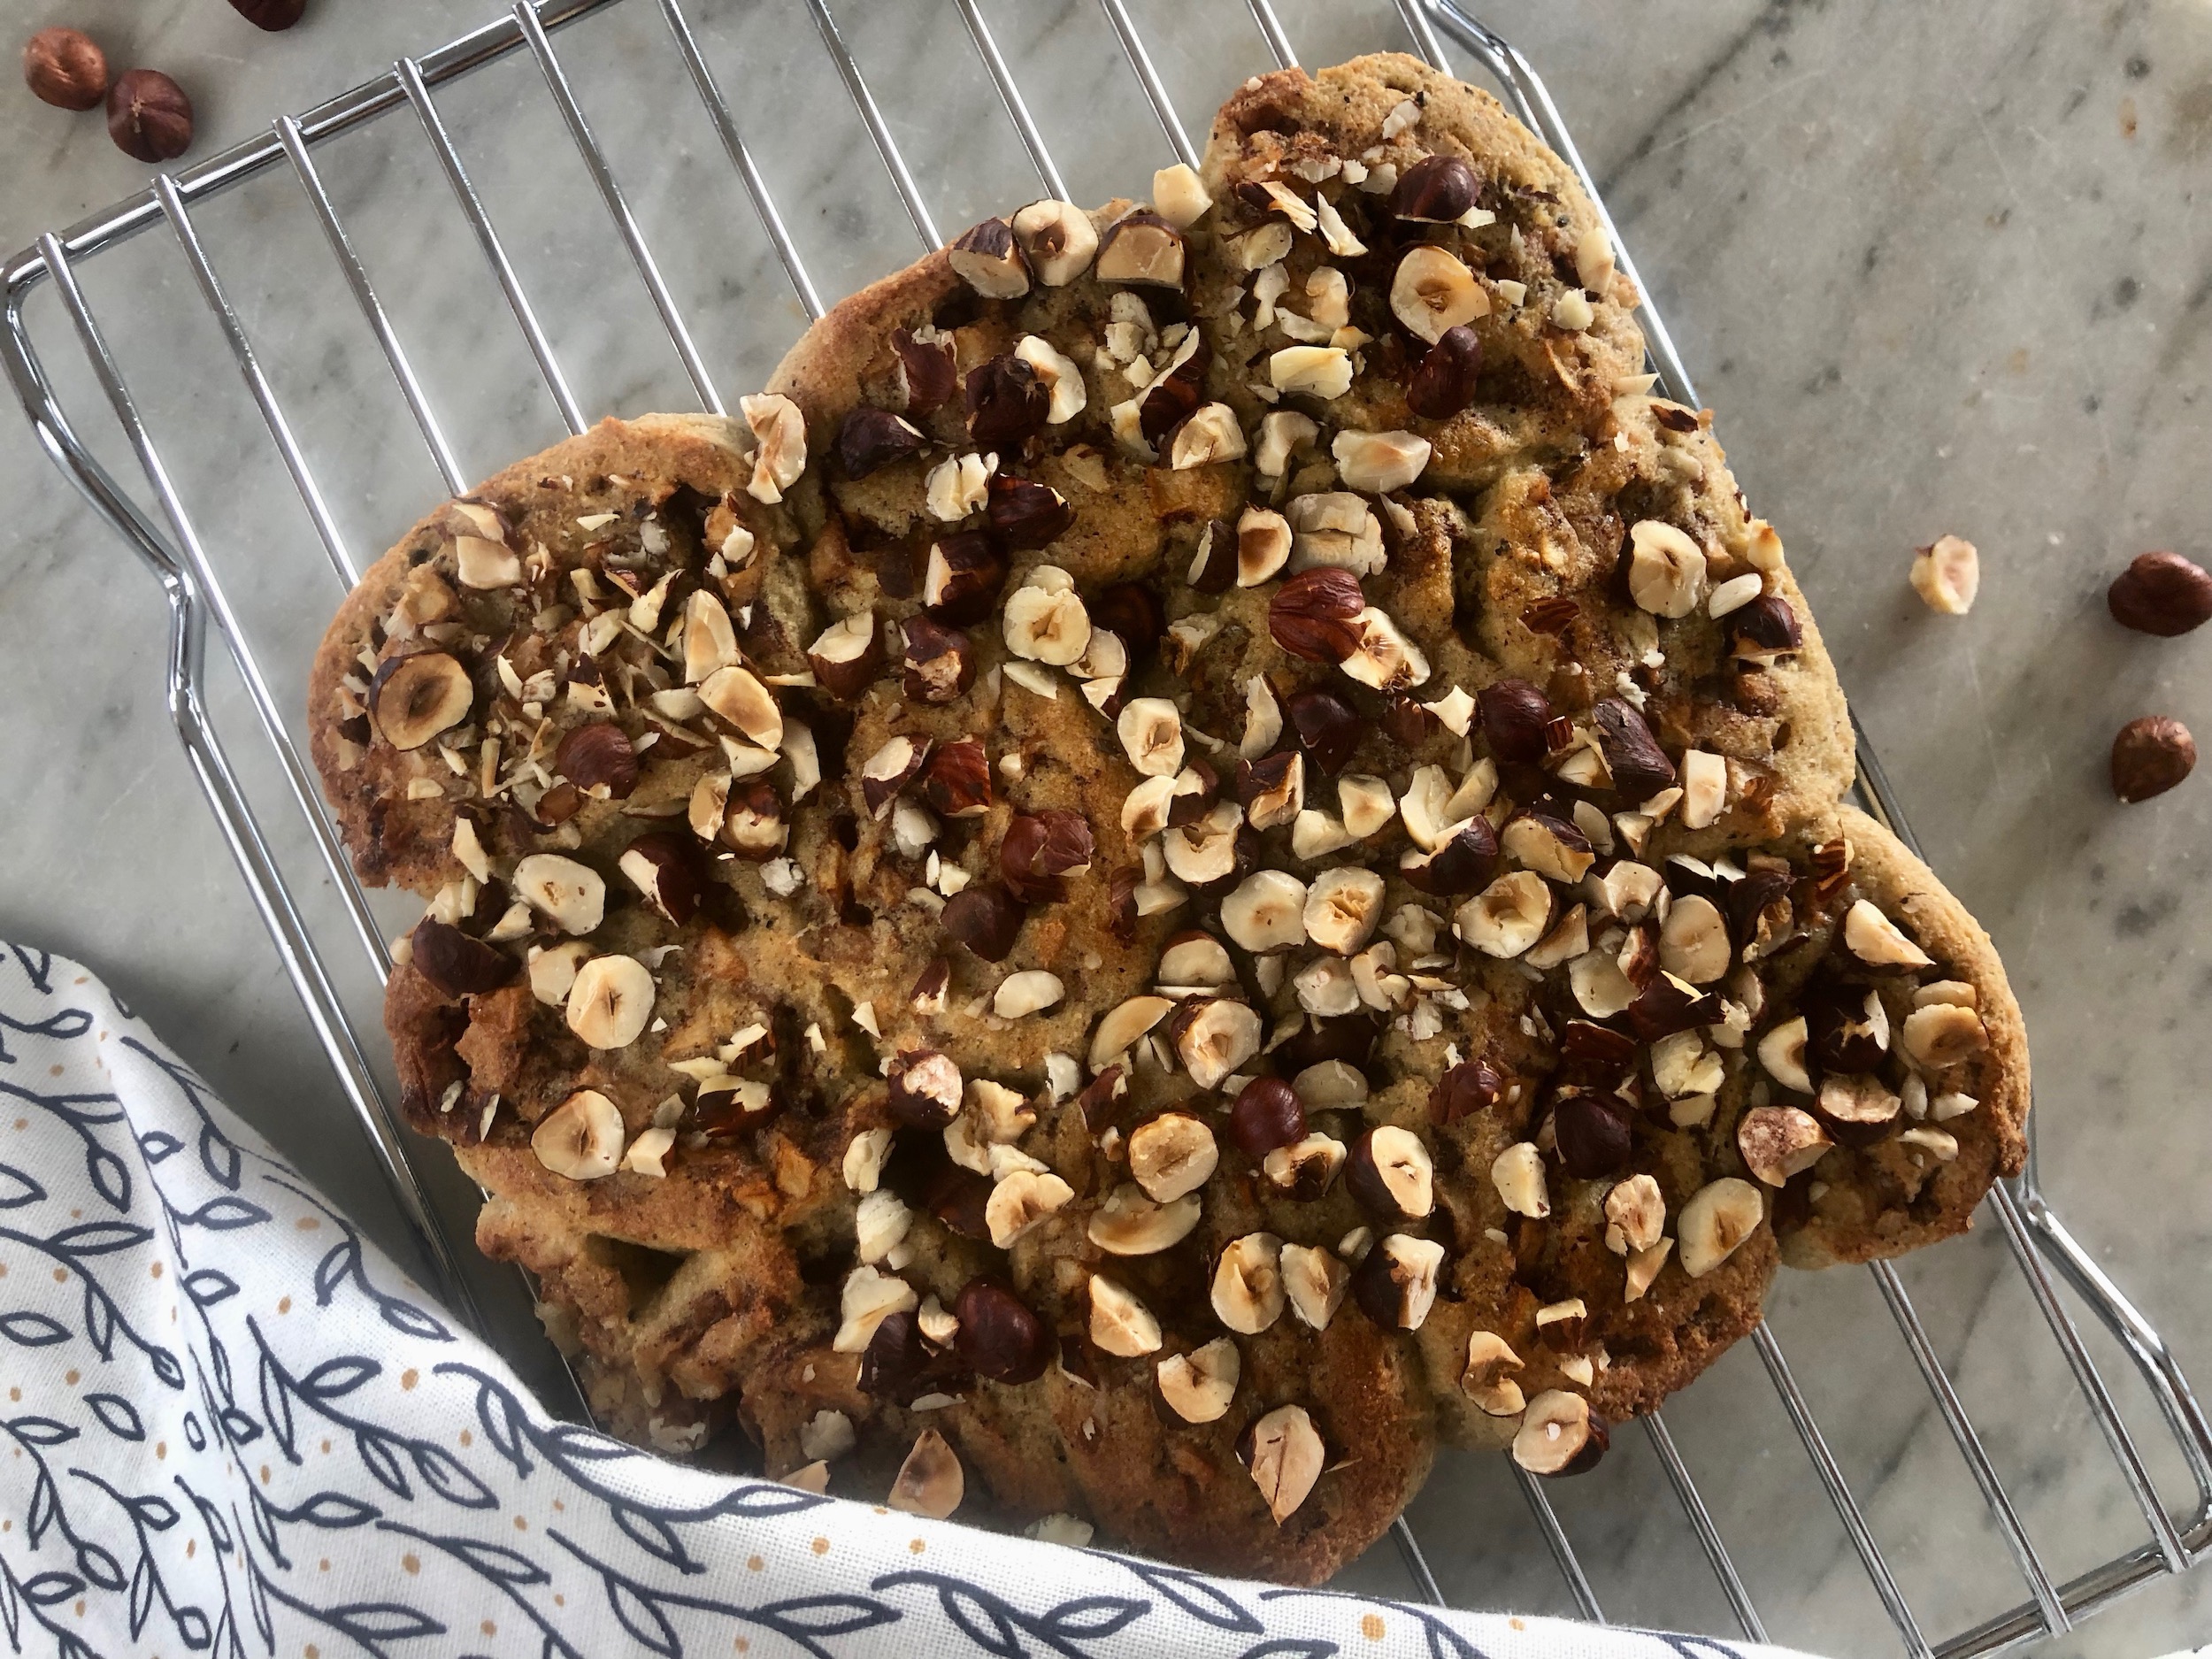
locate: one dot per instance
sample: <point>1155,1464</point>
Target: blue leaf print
<point>118,1416</point>
<point>645,1622</point>
<point>449,1478</point>
<point>32,1330</point>
<point>334,1511</point>
<point>206,1286</point>
<point>224,1214</point>
<point>100,1238</point>
<point>334,1378</point>
<point>41,1431</point>
<point>18,1189</point>
<point>368,1622</point>
<point>50,1587</point>
<point>379,1453</point>
<point>159,1145</point>
<point>496,1561</point>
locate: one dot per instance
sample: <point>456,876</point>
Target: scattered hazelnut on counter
<point>2162,594</point>
<point>65,68</point>
<point>271,15</point>
<point>149,117</point>
<point>1946,574</point>
<point>2151,756</point>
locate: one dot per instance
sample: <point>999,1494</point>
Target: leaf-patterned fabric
<point>233,1426</point>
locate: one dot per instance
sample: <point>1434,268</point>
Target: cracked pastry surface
<point>1205,852</point>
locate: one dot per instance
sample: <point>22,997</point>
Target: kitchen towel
<point>233,1426</point>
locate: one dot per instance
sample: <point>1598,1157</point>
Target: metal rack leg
<point>1010,96</point>
<point>1271,29</point>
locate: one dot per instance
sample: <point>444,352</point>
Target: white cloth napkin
<point>233,1426</point>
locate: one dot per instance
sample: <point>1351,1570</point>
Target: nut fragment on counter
<point>149,118</point>
<point>1946,574</point>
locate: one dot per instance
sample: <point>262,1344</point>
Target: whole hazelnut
<point>1267,1114</point>
<point>999,1336</point>
<point>2151,756</point>
<point>2162,594</point>
<point>149,117</point>
<point>270,14</point>
<point>65,68</point>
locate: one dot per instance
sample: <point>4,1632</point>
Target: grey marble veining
<point>1937,268</point>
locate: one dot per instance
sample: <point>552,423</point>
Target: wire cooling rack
<point>341,999</point>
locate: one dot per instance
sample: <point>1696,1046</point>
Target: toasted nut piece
<point>573,897</point>
<point>598,759</point>
<point>1365,802</point>
<point>1396,1282</point>
<point>1306,1169</point>
<point>1382,656</point>
<point>1204,851</point>
<point>782,432</point>
<point>1694,940</point>
<point>1179,196</point>
<point>1717,1218</point>
<point>1390,1173</point>
<point>1130,1223</point>
<point>1487,1379</point>
<point>1507,916</point>
<point>1058,239</point>
<point>869,1297</point>
<point>1061,380</point>
<point>484,564</point>
<point>1941,1034</point>
<point>1946,574</point>
<point>862,1164</point>
<point>413,698</point>
<point>847,656</point>
<point>1247,1283</point>
<point>1151,733</point>
<point>868,440</point>
<point>553,971</point>
<point>668,873</point>
<point>1879,942</point>
<point>1549,846</point>
<point>1704,789</point>
<point>1562,1325</point>
<point>736,696</point>
<point>1019,1202</point>
<point>927,1088</point>
<point>1666,568</point>
<point>1266,911</point>
<point>1196,959</point>
<point>1282,432</point>
<point>1141,248</point>
<point>1325,988</point>
<point>1643,1268</point>
<point>1285,1456</point>
<point>1172,1155</point>
<point>1433,291</point>
<point>1323,372</point>
<point>990,261</point>
<point>1559,1435</point>
<point>1343,908</point>
<point>890,769</point>
<point>609,1003</point>
<point>1199,1386</point>
<point>1779,1141</point>
<point>1635,1210</point>
<point>1518,1174</point>
<point>582,1138</point>
<point>1782,1052</point>
<point>929,1481</point>
<point>1121,1324</point>
<point>709,642</point>
<point>1337,528</point>
<point>1122,1026</point>
<point>2162,594</point>
<point>1313,1284</point>
<point>1601,989</point>
<point>1314,615</point>
<point>1031,991</point>
<point>1379,462</point>
<point>1217,1039</point>
<point>880,1220</point>
<point>1262,546</point>
<point>1044,623</point>
<point>1210,434</point>
<point>1569,940</point>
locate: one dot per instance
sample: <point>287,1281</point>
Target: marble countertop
<point>1938,269</point>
